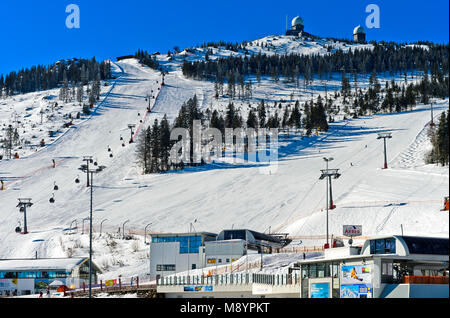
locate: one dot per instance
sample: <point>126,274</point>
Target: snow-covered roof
<point>40,264</point>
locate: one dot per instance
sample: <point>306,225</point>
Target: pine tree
<point>252,120</point>
<point>262,114</point>
<point>166,143</point>
<point>80,93</point>
<point>295,118</point>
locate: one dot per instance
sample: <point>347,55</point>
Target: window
<point>165,268</point>
<point>422,245</point>
<point>10,275</point>
<point>382,246</point>
<point>386,269</point>
<point>194,266</point>
<point>390,246</point>
<point>188,244</point>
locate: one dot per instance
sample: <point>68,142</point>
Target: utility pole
<point>328,173</point>
<point>85,168</point>
<point>385,136</point>
<point>23,205</point>
<point>432,117</point>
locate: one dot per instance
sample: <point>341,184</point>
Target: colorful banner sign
<point>112,282</point>
<point>356,281</point>
<point>356,291</point>
<point>320,290</point>
<point>198,288</point>
<point>356,274</point>
<point>8,284</point>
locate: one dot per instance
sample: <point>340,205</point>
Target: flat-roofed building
<point>29,276</point>
<point>171,253</point>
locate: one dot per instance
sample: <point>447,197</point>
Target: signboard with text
<point>352,230</point>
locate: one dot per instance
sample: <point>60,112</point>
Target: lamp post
<point>328,173</point>
<point>85,168</point>
<point>145,232</point>
<point>76,225</point>
<point>385,136</point>
<point>101,226</point>
<point>189,247</point>
<point>123,229</point>
<point>85,219</point>
<point>23,205</point>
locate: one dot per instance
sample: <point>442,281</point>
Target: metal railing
<point>232,279</point>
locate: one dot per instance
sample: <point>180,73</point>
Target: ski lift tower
<point>385,136</point>
<point>85,168</point>
<point>328,173</point>
<point>149,99</point>
<point>88,160</point>
<point>131,127</point>
<point>23,205</point>
<point>432,124</point>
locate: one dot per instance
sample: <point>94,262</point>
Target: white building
<point>384,267</point>
<point>169,252</point>
<point>29,276</point>
<point>172,253</point>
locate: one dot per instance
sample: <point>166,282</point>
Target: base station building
<point>172,253</point>
<point>30,276</point>
<point>383,267</point>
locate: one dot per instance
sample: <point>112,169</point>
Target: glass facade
<point>426,245</point>
<point>188,244</point>
<point>382,246</point>
<point>48,274</point>
<point>235,235</point>
<point>319,270</point>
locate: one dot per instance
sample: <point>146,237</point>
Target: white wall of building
<point>224,252</point>
<point>168,253</point>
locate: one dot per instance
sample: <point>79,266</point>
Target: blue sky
<point>34,32</point>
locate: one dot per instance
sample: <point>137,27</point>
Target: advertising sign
<point>198,288</point>
<point>41,283</point>
<point>356,281</point>
<point>356,274</point>
<point>356,291</point>
<point>8,284</point>
<point>320,290</point>
<point>352,230</point>
<point>112,282</point>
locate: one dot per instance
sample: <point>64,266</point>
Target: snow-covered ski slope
<point>288,198</point>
